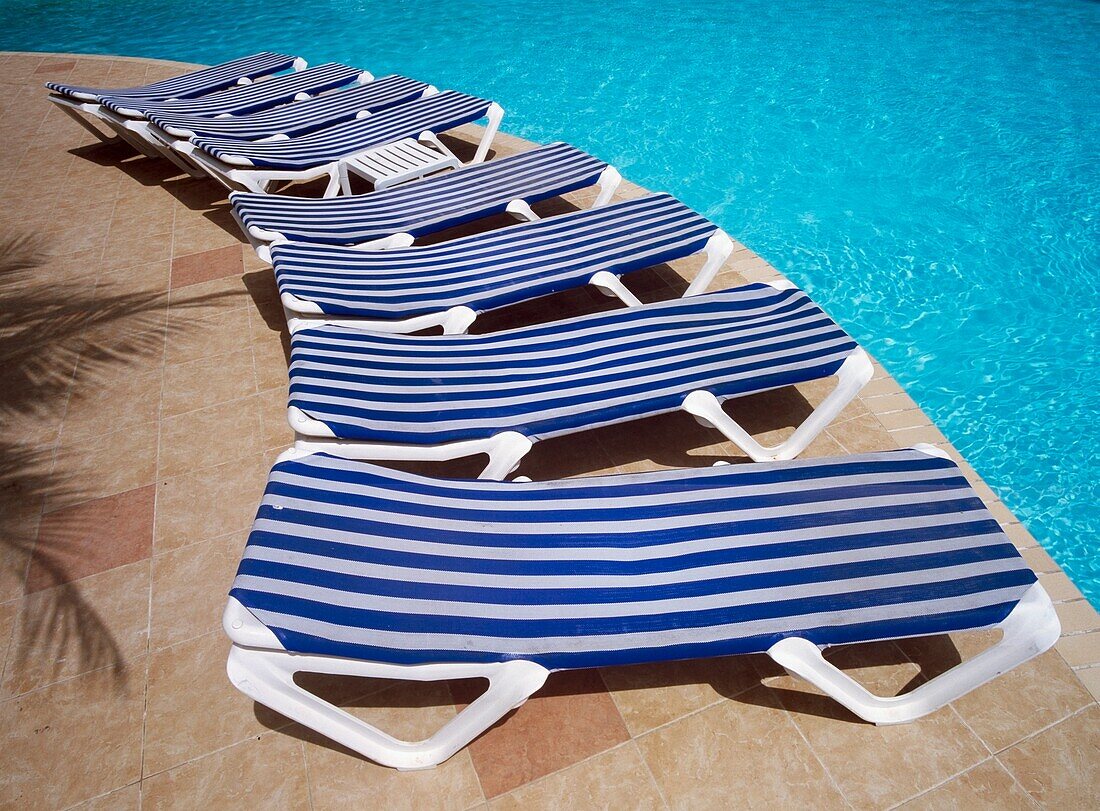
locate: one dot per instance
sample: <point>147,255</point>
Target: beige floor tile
<point>264,772</point>
<point>192,709</point>
<point>123,799</point>
<point>1080,650</point>
<point>209,299</point>
<point>208,503</point>
<point>1060,768</point>
<point>745,751</point>
<point>649,696</point>
<point>277,432</point>
<point>104,465</point>
<point>190,587</point>
<point>190,339</point>
<point>1077,617</point>
<point>8,613</point>
<point>862,435</point>
<point>988,786</point>
<point>922,754</point>
<point>124,251</point>
<point>618,778</point>
<point>98,622</point>
<point>1022,701</point>
<point>111,402</point>
<point>206,437</point>
<point>69,742</point>
<point>339,778</point>
<point>208,381</point>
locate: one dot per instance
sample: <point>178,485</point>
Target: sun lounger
<point>447,285</point>
<point>395,217</point>
<point>250,98</point>
<point>77,101</point>
<point>291,120</point>
<point>356,570</point>
<point>255,165</point>
<point>377,396</point>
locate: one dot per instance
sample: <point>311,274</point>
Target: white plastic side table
<point>401,161</point>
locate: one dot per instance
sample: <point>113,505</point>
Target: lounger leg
<point>717,249</point>
<point>521,210</point>
<point>852,376</point>
<point>508,449</point>
<point>86,124</point>
<point>505,450</point>
<point>267,676</point>
<point>611,285</point>
<point>1030,629</point>
<point>608,183</point>
<point>495,114</point>
<point>301,314</point>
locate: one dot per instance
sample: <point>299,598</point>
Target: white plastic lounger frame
<point>245,177</point>
<point>260,667</point>
<point>262,671</point>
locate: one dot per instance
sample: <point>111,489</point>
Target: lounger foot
<point>608,183</point>
<point>505,450</point>
<point>267,676</point>
<point>852,376</point>
<point>612,286</point>
<point>504,457</point>
<point>494,114</point>
<point>717,250</point>
<point>1030,629</point>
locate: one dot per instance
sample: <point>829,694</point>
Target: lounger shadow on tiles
<point>257,165</point>
<point>401,397</point>
<point>81,103</point>
<point>356,570</point>
<point>448,284</point>
<point>394,218</point>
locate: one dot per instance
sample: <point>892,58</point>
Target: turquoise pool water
<point>930,171</point>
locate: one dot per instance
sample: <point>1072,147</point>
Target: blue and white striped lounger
<point>254,165</point>
<point>75,100</point>
<point>395,217</point>
<point>352,569</point>
<point>293,119</point>
<point>445,396</point>
<point>250,98</point>
<point>447,285</point>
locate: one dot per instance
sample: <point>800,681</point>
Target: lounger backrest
<point>302,117</point>
<point>436,113</point>
<point>196,83</point>
<point>349,559</point>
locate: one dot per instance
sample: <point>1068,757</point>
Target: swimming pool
<point>931,172</point>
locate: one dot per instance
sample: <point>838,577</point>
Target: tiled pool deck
<point>144,388</point>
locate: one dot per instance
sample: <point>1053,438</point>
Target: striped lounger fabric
<point>562,377</point>
<point>189,85</point>
<point>352,568</point>
<point>437,113</point>
<point>250,98</point>
<point>295,119</point>
<point>488,270</point>
<point>421,208</point>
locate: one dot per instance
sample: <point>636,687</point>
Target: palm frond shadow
<point>56,335</point>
